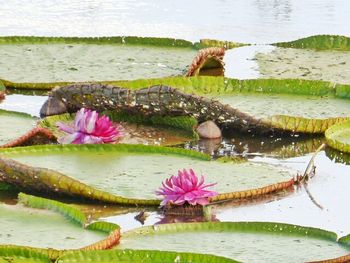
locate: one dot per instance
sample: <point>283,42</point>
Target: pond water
<point>252,21</point>
<point>249,21</point>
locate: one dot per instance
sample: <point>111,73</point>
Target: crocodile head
<point>53,106</point>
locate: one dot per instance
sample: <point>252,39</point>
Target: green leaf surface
<point>287,63</point>
<point>319,42</point>
<point>243,241</point>
<point>140,256</point>
<point>83,59</point>
<point>40,228</point>
<point>133,171</point>
<point>338,136</point>
<point>205,43</point>
<point>2,87</point>
<point>132,40</point>
<point>68,211</point>
<point>267,105</point>
<point>345,240</point>
<point>12,254</point>
<point>14,125</point>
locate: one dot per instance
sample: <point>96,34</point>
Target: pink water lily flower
<point>89,128</point>
<point>185,187</point>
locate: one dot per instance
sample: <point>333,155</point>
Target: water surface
<point>252,21</point>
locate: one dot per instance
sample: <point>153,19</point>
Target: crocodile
<point>158,100</point>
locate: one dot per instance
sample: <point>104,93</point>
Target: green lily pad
<point>291,105</point>
<point>14,125</point>
<point>91,59</point>
<point>266,105</point>
<point>319,42</point>
<point>40,228</point>
<point>131,171</point>
<point>338,136</point>
<point>287,63</point>
<point>139,256</point>
<point>243,241</point>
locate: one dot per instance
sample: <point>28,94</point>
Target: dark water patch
<point>250,145</point>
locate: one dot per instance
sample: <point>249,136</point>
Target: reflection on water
<point>327,187</point>
<point>277,10</point>
<point>248,145</point>
<point>338,157</point>
<point>254,21</point>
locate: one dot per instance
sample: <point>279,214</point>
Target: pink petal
<point>91,122</point>
<point>65,128</point>
<point>184,187</point>
<point>70,138</point>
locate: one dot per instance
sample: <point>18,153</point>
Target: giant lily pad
<point>131,173</point>
<point>338,136</point>
<point>291,104</point>
<point>32,59</point>
<point>14,249</point>
<point>40,228</point>
<point>13,125</point>
<point>267,105</point>
<point>258,241</point>
<point>289,63</point>
<point>313,107</point>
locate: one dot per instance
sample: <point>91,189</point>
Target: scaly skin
<point>155,100</point>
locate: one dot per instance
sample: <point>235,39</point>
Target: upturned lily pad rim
<point>71,212</point>
<point>319,42</point>
<point>108,255</point>
<point>151,256</point>
<point>209,85</point>
<point>247,227</point>
<point>332,136</point>
<point>345,240</point>
<point>9,251</point>
<point>122,40</point>
<point>16,113</point>
<point>124,148</point>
